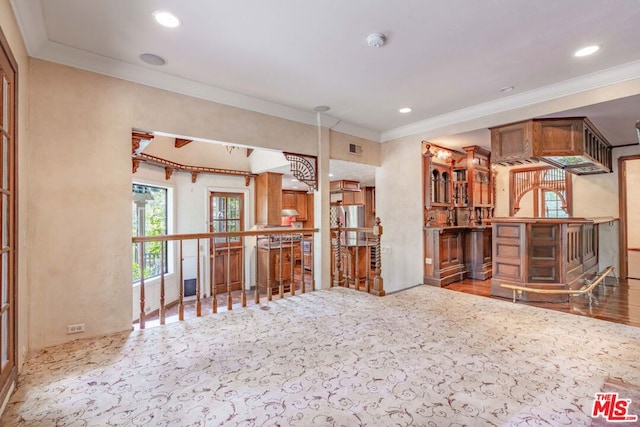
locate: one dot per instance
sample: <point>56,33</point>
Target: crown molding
<point>608,77</point>
<point>30,20</point>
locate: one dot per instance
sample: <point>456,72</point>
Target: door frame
<point>622,211</point>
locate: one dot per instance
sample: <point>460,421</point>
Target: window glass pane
<point>5,220</point>
<point>5,162</point>
<point>5,337</point>
<point>5,103</point>
<point>219,207</point>
<point>5,278</point>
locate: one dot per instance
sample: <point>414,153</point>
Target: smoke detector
<point>376,39</point>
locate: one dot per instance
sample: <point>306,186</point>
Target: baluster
<point>142,301</point>
<point>367,281</point>
<point>302,275</point>
<point>229,296</point>
<point>198,302</point>
<point>281,270</point>
<point>163,309</point>
<point>269,261</point>
<point>338,278</point>
<point>312,265</point>
<point>356,280</point>
<point>214,293</point>
<point>243,294</point>
<point>292,286</point>
<point>378,282</point>
<point>256,296</point>
<point>181,288</point>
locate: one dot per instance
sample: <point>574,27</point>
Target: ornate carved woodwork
<point>304,168</point>
<point>167,173</point>
<point>521,181</point>
<point>135,165</point>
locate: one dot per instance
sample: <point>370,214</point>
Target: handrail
<point>189,236</point>
<point>582,290</point>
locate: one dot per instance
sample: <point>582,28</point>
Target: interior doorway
<point>629,173</point>
<point>226,214</point>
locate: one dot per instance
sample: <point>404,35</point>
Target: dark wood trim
<point>622,209</point>
<point>181,142</point>
<point>9,377</point>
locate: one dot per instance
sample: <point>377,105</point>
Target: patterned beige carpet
<point>426,356</point>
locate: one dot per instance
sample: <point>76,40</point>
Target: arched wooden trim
<point>522,181</point>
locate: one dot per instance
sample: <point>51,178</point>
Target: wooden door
<point>8,220</point>
<point>630,205</point>
<point>226,254</point>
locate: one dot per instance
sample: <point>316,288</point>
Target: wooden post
<point>214,293</point>
<point>243,297</point>
<point>292,283</point>
<point>163,309</point>
<point>229,296</point>
<point>198,301</point>
<point>142,302</point>
<point>181,288</point>
<point>378,282</point>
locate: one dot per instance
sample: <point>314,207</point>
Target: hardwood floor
<point>614,301</point>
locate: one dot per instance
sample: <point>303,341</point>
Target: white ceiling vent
<point>355,149</point>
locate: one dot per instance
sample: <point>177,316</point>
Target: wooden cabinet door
<point>284,273</point>
<point>228,262</point>
<point>301,205</point>
<point>289,200</point>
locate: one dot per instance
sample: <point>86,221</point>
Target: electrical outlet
<point>74,329</point>
<point>428,261</point>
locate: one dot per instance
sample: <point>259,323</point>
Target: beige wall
<point>12,34</point>
<point>79,207</point>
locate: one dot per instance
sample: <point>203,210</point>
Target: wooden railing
<point>269,278</point>
<point>357,258</point>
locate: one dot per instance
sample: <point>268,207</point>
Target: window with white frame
<point>150,208</point>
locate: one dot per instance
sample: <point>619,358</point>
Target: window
<point>553,205</point>
<point>149,218</point>
<point>226,215</point>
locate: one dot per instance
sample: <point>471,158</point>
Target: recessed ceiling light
<point>506,89</point>
<point>295,186</point>
<point>294,180</point>
<point>321,109</point>
<point>166,19</point>
<point>404,110</point>
<point>152,59</point>
<point>330,175</point>
<point>586,51</point>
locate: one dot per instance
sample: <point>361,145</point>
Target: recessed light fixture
<point>321,109</point>
<point>166,19</point>
<point>586,51</point>
<point>330,175</point>
<point>404,110</point>
<point>294,180</point>
<point>152,59</point>
<point>506,89</point>
<point>295,186</point>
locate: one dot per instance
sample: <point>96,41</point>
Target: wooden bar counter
<point>543,253</point>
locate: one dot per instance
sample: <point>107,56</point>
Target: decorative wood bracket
<point>137,137</point>
<point>194,177</point>
<point>136,163</point>
<point>181,142</point>
<point>304,168</point>
<point>167,173</point>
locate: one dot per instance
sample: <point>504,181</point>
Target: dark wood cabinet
<point>444,261</point>
<point>571,143</point>
<point>296,200</point>
<point>275,266</point>
<point>268,187</point>
<point>545,253</point>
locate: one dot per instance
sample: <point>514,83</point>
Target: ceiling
<point>285,57</point>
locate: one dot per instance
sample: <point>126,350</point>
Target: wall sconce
<point>442,154</point>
